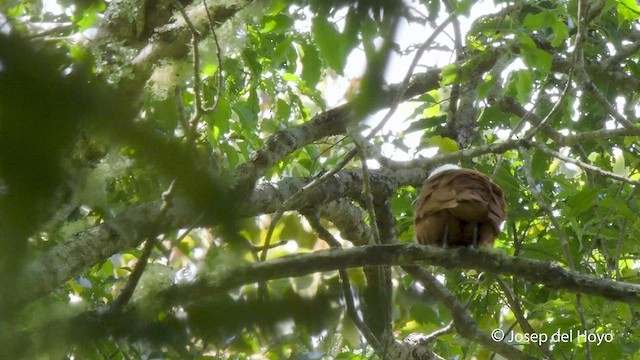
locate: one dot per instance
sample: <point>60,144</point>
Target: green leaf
<point>16,11</point>
<point>283,111</point>
<point>80,54</point>
<point>449,74</point>
<point>524,85</point>
<point>433,9</point>
<point>329,43</point>
<point>248,118</point>
<point>351,30</point>
<point>582,201</point>
<point>164,113</point>
<point>311,65</point>
<point>545,20</point>
<point>221,117</point>
<point>464,7</point>
<point>485,87</point>
<point>424,314</point>
<point>233,156</point>
<point>290,77</point>
<point>250,57</point>
<point>285,54</point>
<point>276,7</point>
<point>628,10</point>
<point>426,123</point>
<point>540,20</point>
<point>444,144</point>
<point>278,23</point>
<point>348,355</point>
<point>474,44</point>
<point>560,32</point>
<point>540,164</point>
<point>619,207</point>
<point>90,16</point>
<point>427,98</point>
<point>538,59</point>
<point>494,116</point>
<point>618,165</point>
<point>534,57</point>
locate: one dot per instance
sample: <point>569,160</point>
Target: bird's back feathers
<point>453,202</point>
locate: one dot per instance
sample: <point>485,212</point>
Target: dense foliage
<point>173,174</point>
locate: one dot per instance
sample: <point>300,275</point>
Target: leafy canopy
<point>159,159</point>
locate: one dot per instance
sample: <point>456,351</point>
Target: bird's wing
<point>472,195</point>
<point>451,188</point>
<point>436,195</point>
<point>468,196</point>
<point>484,195</point>
<point>497,212</point>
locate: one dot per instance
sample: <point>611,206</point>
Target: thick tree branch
<point>349,219</point>
<point>164,41</point>
<point>126,231</point>
<point>549,274</point>
<point>329,123</point>
<point>129,229</point>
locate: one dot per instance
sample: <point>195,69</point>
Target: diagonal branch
<point>462,320</point>
<point>587,167</point>
<point>325,235</point>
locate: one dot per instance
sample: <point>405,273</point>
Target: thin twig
<point>462,320</point>
<point>192,131</point>
<point>510,105</point>
<point>62,27</point>
<point>621,237</point>
<point>514,305</point>
<point>383,273</point>
<point>622,54</point>
<point>426,163</point>
<point>407,78</point>
<point>564,240</point>
<point>622,233</point>
<point>134,278</point>
<point>594,169</point>
<point>368,196</point>
<point>588,85</point>
<point>295,198</point>
<point>437,333</point>
<point>325,235</point>
<point>604,241</point>
<point>184,121</point>
<point>556,108</point>
<point>583,77</point>
<point>213,108</point>
<point>544,206</point>
<point>136,274</point>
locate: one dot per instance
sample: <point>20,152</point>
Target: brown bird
<point>458,207</point>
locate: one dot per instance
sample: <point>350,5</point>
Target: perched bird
<point>458,207</point>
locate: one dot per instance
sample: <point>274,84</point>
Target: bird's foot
<point>474,243</point>
<point>445,238</point>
